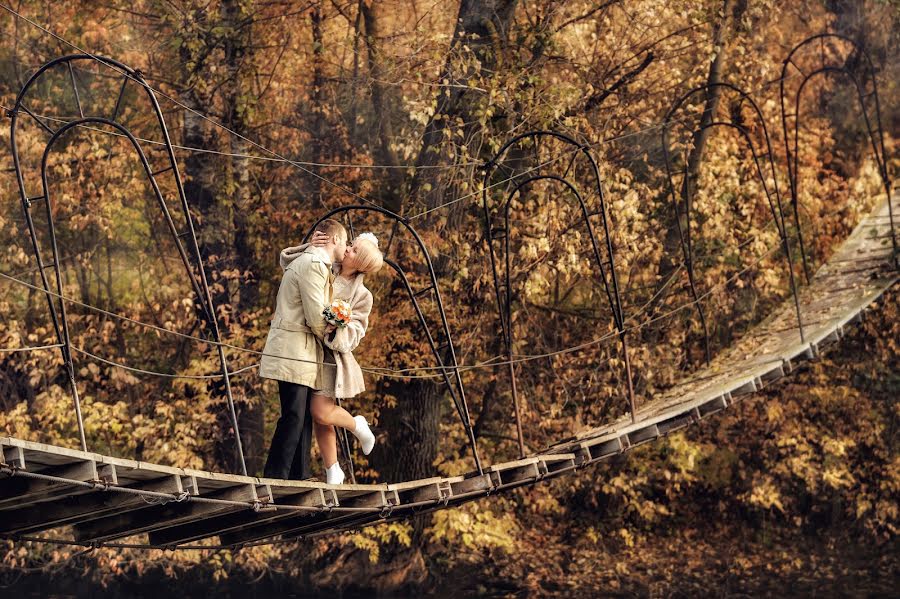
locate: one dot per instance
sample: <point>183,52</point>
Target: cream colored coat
<point>348,380</point>
<point>293,348</point>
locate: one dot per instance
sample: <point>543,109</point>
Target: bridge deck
<point>97,499</point>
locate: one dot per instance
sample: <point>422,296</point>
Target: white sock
<point>334,475</point>
<point>364,434</point>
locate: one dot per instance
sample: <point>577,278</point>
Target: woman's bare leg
<point>324,411</point>
<point>326,437</point>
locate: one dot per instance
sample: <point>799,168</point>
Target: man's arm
<point>311,282</point>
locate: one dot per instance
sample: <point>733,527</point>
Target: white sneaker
<point>334,475</point>
<point>364,434</point>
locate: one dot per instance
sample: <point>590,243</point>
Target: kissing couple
<point>309,351</point>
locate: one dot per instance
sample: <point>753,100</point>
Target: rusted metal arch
<point>610,280</point>
<point>457,393</point>
<point>773,196</point>
<point>198,277</point>
<point>573,191</point>
<point>791,143</point>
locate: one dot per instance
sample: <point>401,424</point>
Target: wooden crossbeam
<point>377,499</point>
<point>76,509</point>
<point>131,523</point>
<point>13,457</point>
<point>20,491</point>
<point>233,522</point>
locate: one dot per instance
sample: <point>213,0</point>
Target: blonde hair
<point>369,259</point>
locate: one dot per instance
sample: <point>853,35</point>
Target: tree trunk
<point>219,189</point>
<point>236,193</point>
<point>673,253</point>
<point>381,110</point>
<point>484,25</point>
<point>413,423</point>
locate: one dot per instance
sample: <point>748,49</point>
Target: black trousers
<point>292,441</point>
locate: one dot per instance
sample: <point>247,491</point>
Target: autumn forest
<point>281,111</point>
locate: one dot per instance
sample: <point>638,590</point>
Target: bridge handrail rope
<point>196,271</point>
<point>652,127</point>
<point>195,149</point>
<point>385,372</point>
<point>33,348</point>
<point>587,145</point>
<point>713,94</point>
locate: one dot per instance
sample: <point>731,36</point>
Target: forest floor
<point>721,560</point>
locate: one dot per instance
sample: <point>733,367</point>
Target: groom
<point>293,351</point>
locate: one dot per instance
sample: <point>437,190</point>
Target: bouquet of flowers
<point>337,314</point>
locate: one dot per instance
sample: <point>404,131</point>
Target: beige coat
<point>298,324</point>
<point>348,381</point>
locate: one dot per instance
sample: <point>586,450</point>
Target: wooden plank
<point>422,490</point>
<point>19,491</point>
<point>512,465</point>
<point>553,464</point>
<point>643,435</point>
<point>237,521</point>
<point>677,422</point>
<point>712,406</point>
<point>605,448</point>
<point>511,476</point>
<point>12,457</point>
<point>342,520</point>
<point>473,484</point>
<point>411,484</point>
<point>75,509</point>
<point>379,499</point>
<point>161,516</point>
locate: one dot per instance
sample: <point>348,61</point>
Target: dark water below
<point>43,586</point>
<point>34,586</point>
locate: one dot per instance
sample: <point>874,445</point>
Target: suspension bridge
<point>105,498</point>
<point>88,499</point>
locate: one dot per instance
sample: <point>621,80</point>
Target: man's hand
<point>320,239</point>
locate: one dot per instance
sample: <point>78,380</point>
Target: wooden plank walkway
<point>94,499</point>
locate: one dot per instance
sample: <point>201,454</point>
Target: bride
<point>340,375</point>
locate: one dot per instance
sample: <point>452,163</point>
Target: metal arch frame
<point>198,278</point>
<point>792,151</point>
<point>775,206</point>
<point>457,394</point>
<point>610,282</point>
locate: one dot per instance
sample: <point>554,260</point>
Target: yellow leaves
<point>476,526</point>
<point>743,563</point>
<point>836,477</point>
<point>774,412</point>
<point>765,494</point>
<point>718,469</point>
<point>837,447</point>
<point>373,538</point>
<point>18,422</point>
